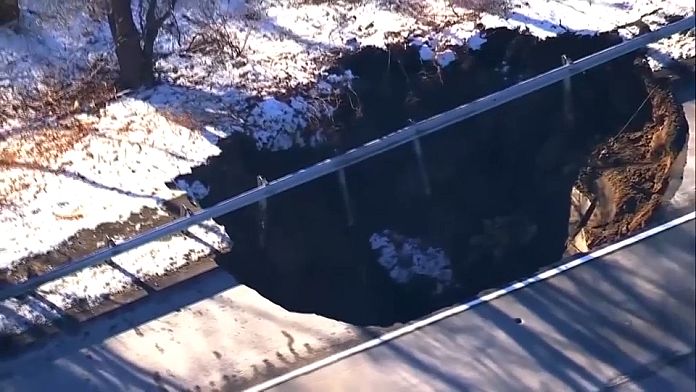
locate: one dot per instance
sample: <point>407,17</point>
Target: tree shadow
<point>86,357</point>
<point>271,26</point>
<point>77,177</point>
<point>77,356</point>
<point>94,368</point>
<point>149,146</point>
<point>24,36</point>
<point>197,109</point>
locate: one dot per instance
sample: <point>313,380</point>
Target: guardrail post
<point>346,196</point>
<point>422,170</point>
<point>567,93</point>
<point>262,211</point>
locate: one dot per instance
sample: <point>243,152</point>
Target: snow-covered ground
<point>406,258</point>
<point>102,166</point>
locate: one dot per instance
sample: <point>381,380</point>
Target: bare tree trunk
<point>9,11</point>
<point>135,68</point>
<point>153,25</point>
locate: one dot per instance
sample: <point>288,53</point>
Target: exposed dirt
<point>631,172</point>
<point>58,101</point>
<point>501,182</point>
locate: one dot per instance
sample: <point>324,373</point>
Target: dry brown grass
<point>216,40</point>
<point>41,151</point>
<point>38,144</point>
<point>45,146</point>
<point>59,100</point>
<point>85,95</point>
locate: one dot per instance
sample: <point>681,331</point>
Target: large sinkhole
<point>503,193</point>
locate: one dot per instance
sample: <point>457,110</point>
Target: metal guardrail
<point>375,147</point>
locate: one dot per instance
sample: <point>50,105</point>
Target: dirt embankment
<point>501,182</point>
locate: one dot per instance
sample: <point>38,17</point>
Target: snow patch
<point>664,52</point>
<point>406,258</point>
<point>426,54</point>
<point>91,285</point>
<point>475,41</point>
<point>339,79</point>
<point>116,168</point>
<point>446,57</point>
<point>196,189</point>
<point>677,47</point>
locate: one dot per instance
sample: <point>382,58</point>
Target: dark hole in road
<point>501,182</point>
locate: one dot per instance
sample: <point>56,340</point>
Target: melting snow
<point>446,57</point>
<point>426,54</point>
<point>406,258</point>
<point>476,40</point>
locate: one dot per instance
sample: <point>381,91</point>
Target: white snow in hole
<point>139,142</point>
<point>446,57</point>
<point>475,41</point>
<point>426,54</point>
<point>196,189</point>
<point>405,258</point>
<point>347,76</point>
